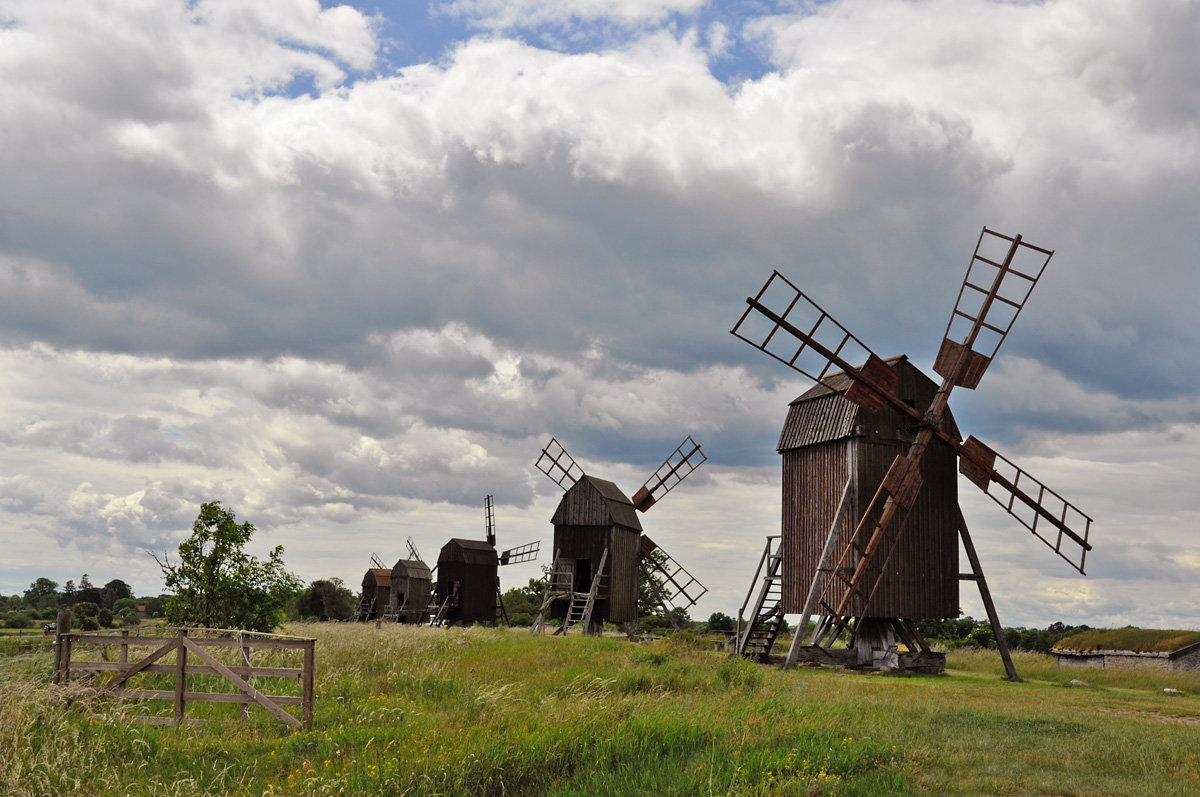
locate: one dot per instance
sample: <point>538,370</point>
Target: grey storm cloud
<point>362,305</point>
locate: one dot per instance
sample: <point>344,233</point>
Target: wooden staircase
<point>583,603</point>
<point>757,637</point>
<point>365,608</point>
<point>438,612</point>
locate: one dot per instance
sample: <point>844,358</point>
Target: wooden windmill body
<point>467,574</point>
<point>411,590</point>
<point>601,556</point>
<point>596,526</point>
<point>827,443</point>
<point>376,592</point>
<point>881,564</point>
<point>468,583</point>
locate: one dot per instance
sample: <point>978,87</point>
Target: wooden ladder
<point>365,607</point>
<point>583,603</point>
<point>437,616</point>
<point>758,637</point>
<point>560,584</point>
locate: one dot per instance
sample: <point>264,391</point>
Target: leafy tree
<point>523,603</point>
<point>105,617</point>
<point>124,603</point>
<point>114,591</point>
<point>85,609</point>
<point>68,594</point>
<point>719,621</point>
<point>127,616</point>
<point>89,592</point>
<point>156,605</point>
<point>40,589</point>
<point>217,585</point>
<point>326,599</point>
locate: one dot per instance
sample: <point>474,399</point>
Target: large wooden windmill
<point>871,519</point>
<point>468,584</point>
<point>600,553</point>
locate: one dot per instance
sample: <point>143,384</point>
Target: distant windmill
<point>871,518</point>
<point>600,553</point>
<point>468,586</point>
<point>376,592</point>
<point>411,587</point>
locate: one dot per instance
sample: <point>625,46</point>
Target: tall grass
<point>412,710</point>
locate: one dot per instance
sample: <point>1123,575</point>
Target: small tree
<point>719,621</point>
<point>217,585</point>
<point>326,599</point>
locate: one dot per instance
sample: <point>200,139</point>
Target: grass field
<point>413,710</point>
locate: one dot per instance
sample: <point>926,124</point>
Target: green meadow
<point>414,710</point>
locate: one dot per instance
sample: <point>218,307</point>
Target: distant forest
<point>113,604</point>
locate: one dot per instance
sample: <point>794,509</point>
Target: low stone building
<point>1170,653</point>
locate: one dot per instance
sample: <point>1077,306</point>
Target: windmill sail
<point>522,553</point>
<point>1000,277</point>
<point>1029,501</point>
<point>412,551</point>
<point>787,325</point>
<point>676,588</point>
<point>677,467</point>
<point>489,521</point>
<point>556,463</point>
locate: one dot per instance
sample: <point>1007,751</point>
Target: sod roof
<point>1139,640</point>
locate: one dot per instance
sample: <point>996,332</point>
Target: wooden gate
<point>196,653</point>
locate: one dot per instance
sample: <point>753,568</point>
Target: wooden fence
<point>195,652</point>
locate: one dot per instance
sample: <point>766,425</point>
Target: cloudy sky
<point>348,268</point>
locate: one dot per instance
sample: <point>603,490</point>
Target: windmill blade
<point>1030,501</point>
<point>489,521</point>
<point>787,325</point>
<point>522,553</point>
<point>556,463</point>
<point>680,589</point>
<point>1000,277</point>
<point>412,550</point>
<point>376,563</point>
<point>677,467</point>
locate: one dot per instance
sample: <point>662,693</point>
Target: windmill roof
<point>616,507</point>
<point>412,568</point>
<point>822,414</point>
<point>379,576</point>
<point>472,552</point>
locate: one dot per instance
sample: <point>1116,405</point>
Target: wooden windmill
<point>600,553</point>
<point>871,517</point>
<point>468,584</point>
<point>411,588</point>
<point>376,591</point>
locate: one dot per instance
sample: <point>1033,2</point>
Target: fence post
<point>309,667</point>
<point>180,676</point>
<point>248,677</point>
<point>62,658</point>
<point>125,646</point>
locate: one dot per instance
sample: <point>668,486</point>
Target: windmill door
<point>583,575</point>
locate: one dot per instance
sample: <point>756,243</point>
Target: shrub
<point>18,620</point>
<point>105,618</point>
<point>85,609</point>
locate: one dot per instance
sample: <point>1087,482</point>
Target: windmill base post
<point>976,575</point>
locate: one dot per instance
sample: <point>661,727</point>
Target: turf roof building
<point>1120,649</point>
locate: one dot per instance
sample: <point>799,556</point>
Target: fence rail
<point>193,650</point>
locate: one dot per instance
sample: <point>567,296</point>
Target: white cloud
<point>504,14</point>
